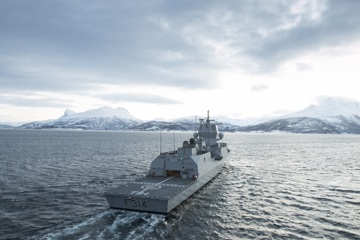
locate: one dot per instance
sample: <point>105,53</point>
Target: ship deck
<point>153,187</point>
<point>156,194</point>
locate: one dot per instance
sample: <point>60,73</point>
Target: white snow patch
<point>329,109</point>
<point>103,112</point>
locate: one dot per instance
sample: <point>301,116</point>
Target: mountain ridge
<point>104,118</point>
<point>330,115</point>
<point>328,108</point>
<point>104,112</point>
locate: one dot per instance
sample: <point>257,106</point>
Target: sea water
<point>273,186</point>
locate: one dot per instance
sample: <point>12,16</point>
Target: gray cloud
<point>259,87</point>
<point>32,101</point>
<point>111,40</point>
<point>303,67</point>
<point>138,97</point>
<point>74,45</point>
<point>338,24</point>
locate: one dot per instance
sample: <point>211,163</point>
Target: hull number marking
<point>135,203</point>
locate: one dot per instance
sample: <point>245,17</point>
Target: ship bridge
<point>185,162</point>
<point>208,132</point>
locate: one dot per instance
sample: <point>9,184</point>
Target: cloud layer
<point>78,46</point>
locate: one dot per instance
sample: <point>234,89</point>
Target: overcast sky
<point>169,59</point>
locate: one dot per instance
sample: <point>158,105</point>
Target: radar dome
<point>196,134</point>
<point>221,135</point>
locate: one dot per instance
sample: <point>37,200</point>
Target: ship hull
<point>158,194</point>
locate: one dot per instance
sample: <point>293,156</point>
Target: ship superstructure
<point>175,175</point>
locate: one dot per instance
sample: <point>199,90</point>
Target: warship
<point>175,175</point>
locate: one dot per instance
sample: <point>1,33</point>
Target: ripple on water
<point>271,187</point>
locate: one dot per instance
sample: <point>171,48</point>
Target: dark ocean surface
<point>273,186</point>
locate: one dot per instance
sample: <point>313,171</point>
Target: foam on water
<point>76,230</point>
<point>108,225</point>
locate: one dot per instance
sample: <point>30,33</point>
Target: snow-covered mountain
<point>10,125</point>
<point>330,115</point>
<point>103,112</point>
<point>329,109</point>
<point>105,118</point>
<point>6,126</point>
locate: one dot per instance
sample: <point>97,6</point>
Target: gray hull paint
<point>174,176</point>
<point>159,194</point>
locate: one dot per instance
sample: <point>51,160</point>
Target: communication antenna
<point>174,140</point>
<point>160,139</point>
<point>195,123</point>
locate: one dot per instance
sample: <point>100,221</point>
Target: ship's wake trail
<point>132,225</point>
<point>111,225</point>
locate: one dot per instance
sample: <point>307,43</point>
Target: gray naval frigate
<point>175,175</point>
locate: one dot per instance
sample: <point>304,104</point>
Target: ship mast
<point>160,139</point>
<point>195,129</point>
